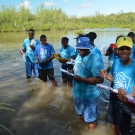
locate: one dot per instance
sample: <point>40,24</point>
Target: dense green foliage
<point>45,19</point>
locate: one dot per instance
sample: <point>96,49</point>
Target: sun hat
<point>83,43</point>
<point>124,41</point>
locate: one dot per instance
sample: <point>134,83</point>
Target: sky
<point>77,7</point>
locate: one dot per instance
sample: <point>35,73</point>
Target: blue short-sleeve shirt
<point>123,75</point>
<point>30,57</point>
<point>44,52</point>
<point>97,52</point>
<point>86,67</point>
<point>67,52</point>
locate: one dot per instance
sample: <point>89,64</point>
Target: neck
<point>87,53</point>
<point>65,46</point>
<point>126,62</point>
<point>92,43</point>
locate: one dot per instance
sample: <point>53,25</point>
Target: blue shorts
<point>86,108</point>
<point>31,67</point>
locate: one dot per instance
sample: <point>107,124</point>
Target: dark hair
<point>119,37</point>
<point>131,34</point>
<point>80,35</point>
<point>65,38</point>
<point>125,47</point>
<point>92,36</point>
<point>32,30</point>
<point>42,36</point>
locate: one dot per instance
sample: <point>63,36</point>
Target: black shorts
<point>64,75</point>
<point>44,73</point>
<point>119,114</point>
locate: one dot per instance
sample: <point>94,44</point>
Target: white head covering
<point>103,49</point>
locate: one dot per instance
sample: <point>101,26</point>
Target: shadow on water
<point>42,109</point>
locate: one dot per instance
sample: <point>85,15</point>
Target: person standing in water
<point>29,45</point>
<point>84,90</point>
<point>68,52</point>
<point>122,75</point>
<point>44,55</point>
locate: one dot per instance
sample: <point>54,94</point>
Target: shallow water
<point>41,109</point>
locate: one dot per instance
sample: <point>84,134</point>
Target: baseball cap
<point>124,41</point>
<point>113,45</point>
<point>83,43</point>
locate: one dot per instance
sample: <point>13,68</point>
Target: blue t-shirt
<point>123,75</point>
<point>97,52</point>
<point>133,52</point>
<point>44,52</point>
<point>87,67</point>
<point>30,57</point>
<point>67,53</point>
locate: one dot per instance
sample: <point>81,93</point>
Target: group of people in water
<point>88,70</point>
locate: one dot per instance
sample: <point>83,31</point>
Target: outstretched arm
<point>122,98</point>
<point>104,74</point>
<point>92,80</point>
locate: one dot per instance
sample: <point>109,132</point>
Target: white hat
<point>103,49</point>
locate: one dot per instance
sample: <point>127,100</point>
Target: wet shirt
<point>86,67</point>
<point>123,75</point>
<point>97,52</point>
<point>67,53</point>
<point>44,52</point>
<point>30,57</point>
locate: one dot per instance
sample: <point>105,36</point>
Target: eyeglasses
<point>125,52</point>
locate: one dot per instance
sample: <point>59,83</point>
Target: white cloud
<point>66,0</point>
<point>84,5</point>
<point>26,4</point>
<point>49,3</point>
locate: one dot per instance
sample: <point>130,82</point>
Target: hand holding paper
<point>65,71</point>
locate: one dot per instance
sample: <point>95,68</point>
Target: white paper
<point>65,71</point>
<point>24,57</point>
<point>107,88</point>
<point>129,98</point>
<point>71,62</point>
